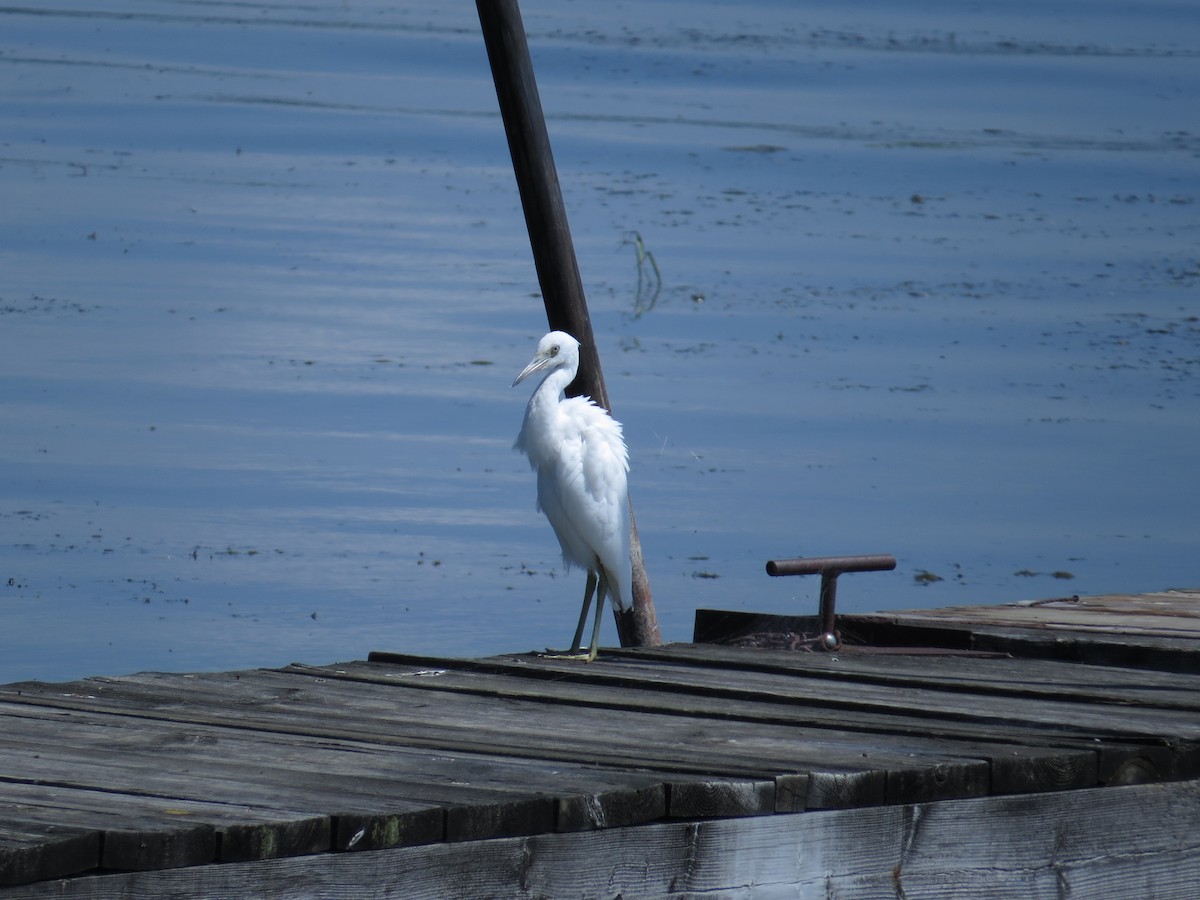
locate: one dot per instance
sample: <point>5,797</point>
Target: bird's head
<point>557,350</point>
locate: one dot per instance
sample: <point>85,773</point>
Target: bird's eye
<point>554,350</point>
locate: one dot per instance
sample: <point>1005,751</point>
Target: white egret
<point>582,464</point>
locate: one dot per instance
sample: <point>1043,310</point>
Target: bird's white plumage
<point>579,454</point>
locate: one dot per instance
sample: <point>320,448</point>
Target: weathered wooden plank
<point>383,830</point>
<point>127,839</point>
<point>1013,770</point>
<point>1047,846</point>
<point>835,790</point>
<point>591,811</point>
<point>946,782</point>
<point>1003,714</point>
<point>242,832</point>
<point>720,797</point>
<point>409,749</point>
<point>791,792</point>
<point>927,700</point>
<point>824,756</point>
<point>998,675</point>
<point>698,692</point>
<point>267,808</point>
<point>250,832</point>
<point>471,822</point>
<point>1050,773</point>
<point>471,807</point>
<point>866,786</point>
<point>722,627</point>
<point>1067,619</point>
<point>1117,761</point>
<point>1166,614</point>
<point>515,807</point>
<point>674,743</point>
<point>233,782</point>
<point>869,789</point>
<point>31,851</point>
<point>97,750</point>
<point>549,730</point>
<point>1004,631</point>
<point>762,676</point>
<point>299,765</point>
<point>1097,647</point>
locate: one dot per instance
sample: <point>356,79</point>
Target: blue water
<point>929,287</point>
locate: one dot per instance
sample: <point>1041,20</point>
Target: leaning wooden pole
<point>553,250</point>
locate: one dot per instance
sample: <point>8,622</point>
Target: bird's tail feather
<point>620,590</point>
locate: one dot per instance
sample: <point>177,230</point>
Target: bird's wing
<point>605,474</point>
<point>556,503</point>
<point>593,473</point>
<point>593,448</point>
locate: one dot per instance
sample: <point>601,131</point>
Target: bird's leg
<point>576,652</point>
<point>600,592</point>
<point>588,590</point>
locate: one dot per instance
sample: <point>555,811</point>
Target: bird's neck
<point>550,392</point>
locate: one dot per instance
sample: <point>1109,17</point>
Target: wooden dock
<point>1048,749</point>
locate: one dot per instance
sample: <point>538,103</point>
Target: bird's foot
<point>577,654</point>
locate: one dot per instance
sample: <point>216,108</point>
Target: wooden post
<point>553,250</point>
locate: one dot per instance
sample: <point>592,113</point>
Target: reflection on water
<point>928,288</point>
